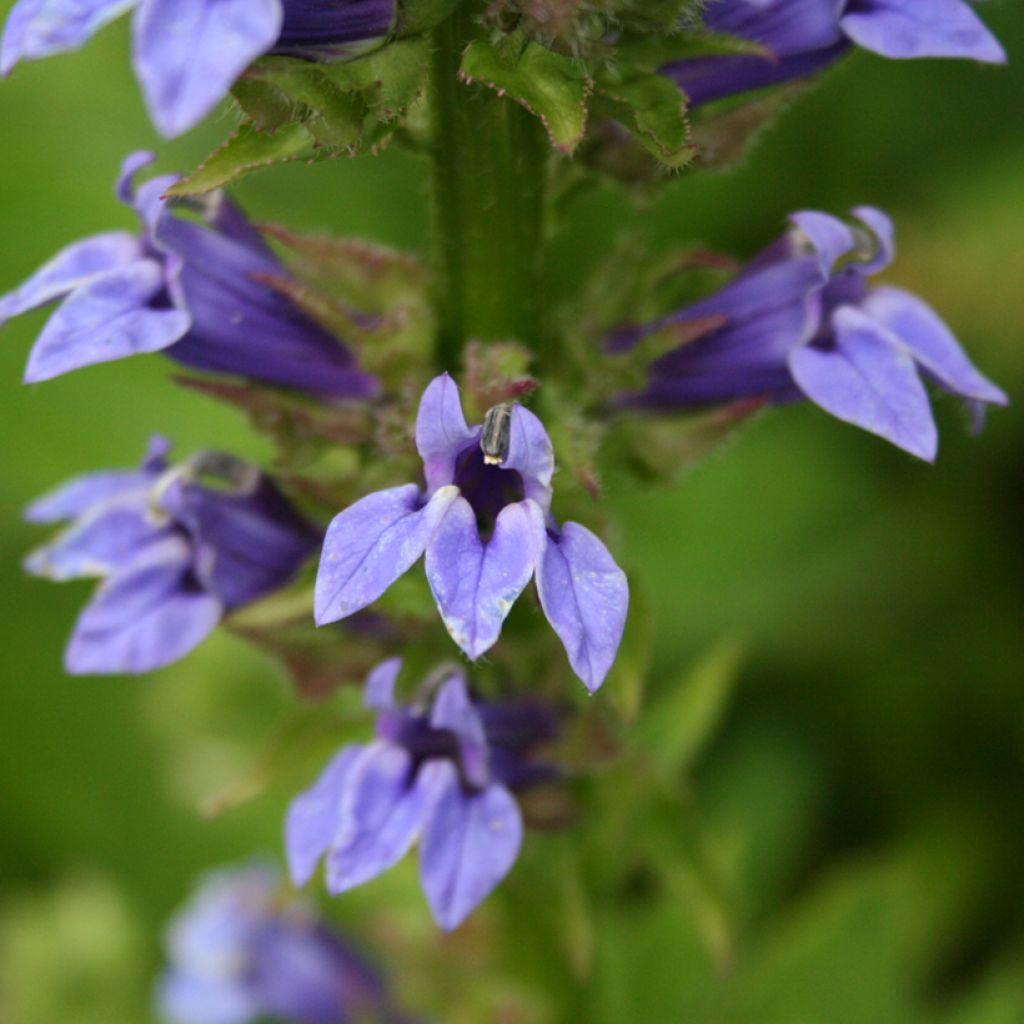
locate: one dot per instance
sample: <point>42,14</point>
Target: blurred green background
<point>863,785</point>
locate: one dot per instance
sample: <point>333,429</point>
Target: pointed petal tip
<point>35,373</point>
<point>926,449</point>
<point>585,596</point>
<point>379,688</point>
<point>172,123</point>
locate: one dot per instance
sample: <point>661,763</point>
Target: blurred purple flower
<point>175,553</point>
<point>197,292</point>
<point>804,36</point>
<point>801,322</point>
<point>188,53</point>
<point>240,953</point>
<point>442,770</point>
<point>485,524</point>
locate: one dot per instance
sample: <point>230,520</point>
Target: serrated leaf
<point>648,51</point>
<point>248,150</point>
<point>394,75</point>
<point>263,103</point>
<point>334,116</point>
<point>653,110</point>
<point>302,110</point>
<point>553,88</point>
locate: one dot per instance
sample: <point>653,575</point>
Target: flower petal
<point>327,32</point>
<point>69,269</point>
<point>371,544</point>
<point>777,284</point>
<point>441,431</point>
<point>107,318</point>
<point>705,79</point>
<point>381,815</point>
<point>530,453</point>
<point>379,691</point>
<point>784,26</point>
<point>134,162</point>
<point>251,541</point>
<point>313,816</point>
<point>585,597</point>
<point>76,496</point>
<point>39,28</point>
<point>470,842</point>
<point>240,323</point>
<point>869,379</point>
<point>146,616</point>
<point>931,342</point>
<point>922,28</point>
<point>186,997</point>
<point>454,711</point>
<point>880,225</point>
<point>475,584</point>
<point>102,542</point>
<point>188,53</point>
<point>831,237</point>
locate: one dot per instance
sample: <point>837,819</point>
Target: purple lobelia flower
<point>175,547</point>
<point>485,524</point>
<point>241,953</point>
<point>441,770</point>
<point>200,292</point>
<point>802,322</point>
<point>188,53</point>
<point>801,37</point>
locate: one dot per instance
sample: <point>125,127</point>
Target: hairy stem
<point>489,176</point>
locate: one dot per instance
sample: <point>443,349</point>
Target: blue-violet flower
<point>240,953</point>
<point>442,770</point>
<point>800,321</point>
<point>485,524</point>
<point>201,293</point>
<point>188,53</point>
<point>800,37</point>
<point>175,547</point>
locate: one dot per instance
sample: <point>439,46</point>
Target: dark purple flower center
<point>512,731</point>
<point>487,488</point>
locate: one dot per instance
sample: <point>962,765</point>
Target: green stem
<point>489,177</point>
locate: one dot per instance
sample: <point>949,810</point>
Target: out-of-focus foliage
<point>841,841</point>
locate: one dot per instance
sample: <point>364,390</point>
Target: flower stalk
<point>489,169</point>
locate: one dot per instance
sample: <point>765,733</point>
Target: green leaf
<point>297,109</point>
<point>676,728</point>
<point>648,51</point>
<point>248,150</point>
<point>392,77</point>
<point>263,103</point>
<point>553,88</point>
<point>840,954</point>
<point>653,109</point>
<point>334,116</point>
